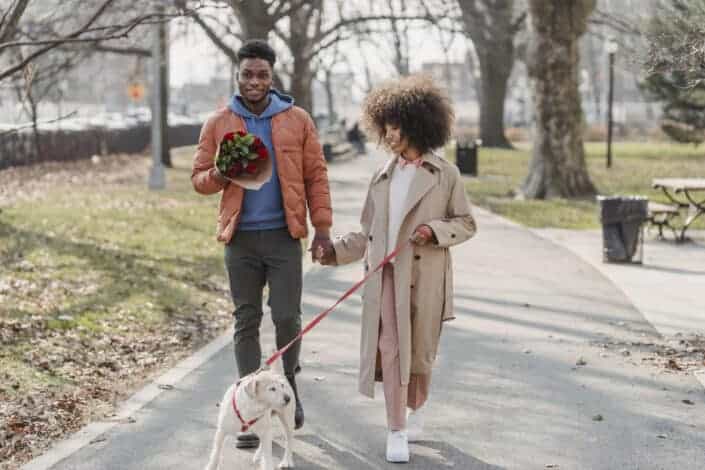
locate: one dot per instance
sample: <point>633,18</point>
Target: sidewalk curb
<point>89,433</point>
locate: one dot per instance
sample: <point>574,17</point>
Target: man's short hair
<point>257,49</point>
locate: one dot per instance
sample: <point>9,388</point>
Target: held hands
<point>326,256</point>
<point>422,235</point>
<point>321,247</point>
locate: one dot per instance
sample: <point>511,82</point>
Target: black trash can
<point>466,157</point>
<point>622,219</point>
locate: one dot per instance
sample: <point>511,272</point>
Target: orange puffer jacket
<point>300,166</point>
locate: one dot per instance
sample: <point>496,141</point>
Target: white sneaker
<point>414,425</point>
<point>397,447</point>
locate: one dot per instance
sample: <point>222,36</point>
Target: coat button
<point>452,235</point>
<point>417,256</point>
<point>412,286</point>
<point>370,237</point>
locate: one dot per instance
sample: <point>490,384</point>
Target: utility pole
<point>156,174</point>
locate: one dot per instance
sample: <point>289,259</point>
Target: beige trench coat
<point>423,281</point>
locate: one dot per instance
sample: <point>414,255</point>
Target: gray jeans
<point>255,259</point>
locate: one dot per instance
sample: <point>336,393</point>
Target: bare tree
<point>492,26</point>
<point>307,28</point>
<point>557,167</point>
<point>40,82</point>
<point>326,71</point>
<point>21,46</point>
<point>40,41</point>
<point>400,36</point>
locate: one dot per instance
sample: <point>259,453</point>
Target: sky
<point>194,58</point>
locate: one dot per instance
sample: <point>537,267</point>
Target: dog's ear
<point>251,387</point>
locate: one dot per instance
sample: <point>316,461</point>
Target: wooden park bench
<point>661,215</point>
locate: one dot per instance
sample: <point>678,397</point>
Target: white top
<point>398,191</point>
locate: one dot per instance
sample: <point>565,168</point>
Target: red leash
<point>245,425</point>
<point>347,294</point>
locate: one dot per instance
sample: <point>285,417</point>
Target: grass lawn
<point>102,283</point>
<point>634,165</point>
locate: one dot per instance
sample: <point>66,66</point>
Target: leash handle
<point>347,294</point>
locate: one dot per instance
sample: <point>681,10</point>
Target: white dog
<point>257,398</point>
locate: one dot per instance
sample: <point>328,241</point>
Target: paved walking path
<point>506,394</point>
<point>668,287</point>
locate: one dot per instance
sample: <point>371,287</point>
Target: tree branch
<point>134,51</point>
<point>215,38</point>
<point>23,63</point>
<point>363,19</point>
<point>294,6</point>
<point>611,21</point>
<point>12,16</point>
<point>29,124</point>
<point>112,32</point>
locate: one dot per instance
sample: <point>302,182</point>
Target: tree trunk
<point>330,98</point>
<point>301,84</point>
<point>557,167</point>
<point>491,28</point>
<point>33,105</point>
<point>300,47</point>
<point>254,19</point>
<point>495,69</point>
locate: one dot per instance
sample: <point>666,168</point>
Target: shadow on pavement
<point>424,455</point>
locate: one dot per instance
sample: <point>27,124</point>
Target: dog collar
<point>245,425</point>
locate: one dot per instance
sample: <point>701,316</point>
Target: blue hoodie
<point>263,209</point>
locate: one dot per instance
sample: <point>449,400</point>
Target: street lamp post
<point>611,47</point>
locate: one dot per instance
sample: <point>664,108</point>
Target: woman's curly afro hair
<point>416,105</point>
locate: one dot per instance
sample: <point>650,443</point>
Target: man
<point>262,229</point>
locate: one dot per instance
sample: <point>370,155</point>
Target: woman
<point>419,197</point>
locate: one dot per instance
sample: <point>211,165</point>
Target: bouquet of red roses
<point>240,152</point>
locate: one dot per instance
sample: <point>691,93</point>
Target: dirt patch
<point>682,353</point>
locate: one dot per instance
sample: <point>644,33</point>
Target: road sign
<point>135,91</point>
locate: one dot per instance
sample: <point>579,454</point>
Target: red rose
<point>257,142</point>
<point>241,133</point>
<point>234,170</point>
<point>262,153</point>
<point>251,168</point>
<point>229,136</point>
